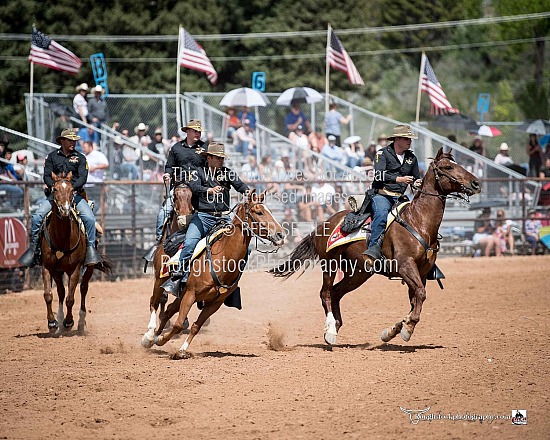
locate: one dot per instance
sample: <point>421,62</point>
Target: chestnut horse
<point>226,258</point>
<point>63,251</point>
<point>410,260</point>
<point>180,217</point>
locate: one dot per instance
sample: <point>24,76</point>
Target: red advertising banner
<point>13,241</point>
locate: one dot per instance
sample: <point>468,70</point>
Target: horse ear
<point>251,195</point>
<point>439,154</point>
<point>70,175</point>
<point>55,177</point>
<point>262,196</point>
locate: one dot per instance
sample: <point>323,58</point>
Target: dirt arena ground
<point>481,348</point>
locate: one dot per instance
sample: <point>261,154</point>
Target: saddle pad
<point>338,238</point>
<point>199,249</point>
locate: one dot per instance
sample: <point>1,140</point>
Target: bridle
<point>438,174</point>
<point>248,228</point>
<point>59,208</point>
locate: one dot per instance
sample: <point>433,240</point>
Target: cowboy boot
<point>92,256</point>
<point>175,287</point>
<point>373,253</point>
<point>28,259</point>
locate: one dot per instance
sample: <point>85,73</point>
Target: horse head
<point>260,219</point>
<point>63,193</point>
<point>450,177</point>
<point>182,204</point>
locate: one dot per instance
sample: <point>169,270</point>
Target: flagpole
<point>422,65</point>
<point>327,74</point>
<point>32,81</point>
<point>178,109</point>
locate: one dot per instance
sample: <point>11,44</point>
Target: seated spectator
<point>118,158</point>
<point>22,167</point>
<point>298,137</point>
<point>323,194</point>
<point>232,122</point>
<point>141,137</point>
<point>504,230</point>
<point>245,114</point>
<point>503,156</point>
<point>129,170</point>
<point>484,235</point>
<point>159,145</point>
<point>13,193</point>
<point>9,170</point>
<point>244,141</point>
<point>333,151</point>
<point>250,171</point>
<point>296,117</point>
<point>317,140</point>
<point>371,151</point>
<point>532,228</point>
<point>87,134</point>
<point>307,206</point>
<point>354,153</point>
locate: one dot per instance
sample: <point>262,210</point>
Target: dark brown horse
<point>251,217</point>
<point>180,218</point>
<point>63,252</point>
<point>406,257</point>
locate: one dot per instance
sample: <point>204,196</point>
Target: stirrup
<point>92,256</point>
<point>148,256</point>
<point>173,286</point>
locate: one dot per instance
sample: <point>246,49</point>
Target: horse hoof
<point>330,338</point>
<point>180,354</point>
<point>405,334</point>
<point>53,326</point>
<point>146,342</point>
<point>385,336</point>
<point>68,324</point>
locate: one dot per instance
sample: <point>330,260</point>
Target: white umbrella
<point>486,130</point>
<point>352,139</point>
<point>245,97</point>
<point>538,126</point>
<point>299,94</point>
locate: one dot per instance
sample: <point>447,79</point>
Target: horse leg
<point>84,285</point>
<point>58,279</point>
<point>73,282</point>
<point>330,323</point>
<point>171,310</point>
<point>205,313</point>
<point>185,305</point>
<point>147,340</point>
<point>47,279</point>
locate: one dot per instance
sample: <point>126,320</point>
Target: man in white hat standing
<point>211,184</point>
<point>80,105</point>
<point>395,168</point>
<point>97,107</point>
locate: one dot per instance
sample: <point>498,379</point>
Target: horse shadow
<point>382,346</point>
<point>49,335</point>
<point>222,354</point>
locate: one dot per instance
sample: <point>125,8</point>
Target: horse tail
<point>106,265</point>
<point>305,254</point>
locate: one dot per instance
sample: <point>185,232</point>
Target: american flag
<point>340,60</point>
<point>440,105</point>
<point>48,53</point>
<point>193,56</point>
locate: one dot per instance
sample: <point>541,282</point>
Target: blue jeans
<point>164,213</point>
<point>130,171</point>
<point>200,224</point>
<point>83,208</point>
<point>14,195</point>
<point>381,206</point>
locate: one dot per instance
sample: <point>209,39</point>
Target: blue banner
<point>258,81</point>
<point>100,71</point>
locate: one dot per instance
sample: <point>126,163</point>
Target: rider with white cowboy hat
<point>395,167</point>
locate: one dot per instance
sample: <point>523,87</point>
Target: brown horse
<point>408,258</point>
<point>226,259</point>
<point>180,217</point>
<point>63,251</point>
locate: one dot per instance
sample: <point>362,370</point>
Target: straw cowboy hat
<point>141,126</point>
<point>215,149</point>
<point>82,86</point>
<point>402,131</point>
<point>193,124</point>
<point>68,133</point>
<point>504,146</point>
<point>98,89</point>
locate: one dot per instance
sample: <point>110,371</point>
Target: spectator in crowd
<point>355,153</point>
<point>244,140</point>
<point>87,134</point>
<point>382,142</point>
<point>473,165</point>
<point>503,156</point>
<point>14,193</point>
<point>97,107</point>
<point>545,221</point>
<point>317,140</point>
<point>484,235</point>
<point>118,158</point>
<point>4,142</point>
<point>478,146</point>
<point>141,137</point>
<point>232,122</point>
<point>97,164</point>
<point>296,117</point>
<point>129,169</point>
<point>209,139</point>
<point>504,230</point>
<point>532,228</point>
<point>9,170</point>
<point>268,173</point>
<point>80,105</point>
<point>299,137</point>
<point>545,170</point>
<point>292,231</point>
<point>534,150</point>
<point>250,173</point>
<point>333,151</point>
<point>22,167</point>
<point>371,151</point>
<point>307,206</point>
<point>245,114</point>
<point>323,194</point>
<point>333,121</point>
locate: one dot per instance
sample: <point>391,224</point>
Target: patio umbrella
<point>299,95</point>
<point>537,126</point>
<point>486,130</point>
<point>456,121</point>
<point>245,97</point>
